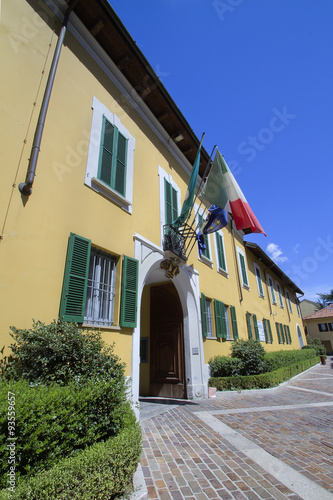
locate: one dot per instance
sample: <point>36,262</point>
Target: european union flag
<point>201,242</point>
<point>218,218</point>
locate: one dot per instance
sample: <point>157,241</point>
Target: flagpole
<point>202,178</point>
<point>189,214</point>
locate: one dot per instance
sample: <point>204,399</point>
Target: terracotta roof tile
<point>326,312</point>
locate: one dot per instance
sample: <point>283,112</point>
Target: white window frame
<point>220,269</point>
<point>209,262</point>
<point>240,252</point>
<point>271,289</point>
<point>164,176</point>
<point>91,176</point>
<point>256,267</point>
<point>279,292</point>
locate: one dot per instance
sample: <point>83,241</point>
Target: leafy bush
<point>223,366</point>
<point>315,343</point>
<point>59,352</point>
<point>251,353</point>
<point>55,421</point>
<point>264,380</point>
<point>102,471</point>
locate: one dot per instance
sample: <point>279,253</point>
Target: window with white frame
<point>206,254</point>
<point>100,288</point>
<point>259,280</point>
<point>110,161</point>
<point>297,307</point>
<point>169,199</point>
<point>209,319</point>
<point>220,253</point>
<point>278,289</point>
<point>289,302</point>
<point>271,288</point>
<point>242,267</point>
<point>226,313</point>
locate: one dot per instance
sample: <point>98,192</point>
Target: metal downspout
<point>26,187</point>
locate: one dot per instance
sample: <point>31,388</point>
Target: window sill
<point>206,261</point>
<point>223,272</point>
<point>110,193</point>
<point>101,327</point>
<point>246,287</point>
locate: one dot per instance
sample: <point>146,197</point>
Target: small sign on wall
<point>261,330</point>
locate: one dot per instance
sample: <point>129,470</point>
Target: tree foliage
<point>325,299</point>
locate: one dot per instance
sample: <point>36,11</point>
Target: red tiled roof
<point>326,312</point>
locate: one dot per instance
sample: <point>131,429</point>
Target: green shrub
<point>251,353</point>
<point>223,366</point>
<point>56,421</point>
<point>103,471</point>
<point>59,352</point>
<point>315,343</point>
<point>263,380</point>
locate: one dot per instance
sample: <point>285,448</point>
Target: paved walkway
<point>271,444</point>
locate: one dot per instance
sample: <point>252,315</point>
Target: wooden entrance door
<point>167,372</point>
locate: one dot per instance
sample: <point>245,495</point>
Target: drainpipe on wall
<point>26,187</point>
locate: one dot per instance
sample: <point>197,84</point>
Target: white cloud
<point>296,247</point>
<point>276,253</point>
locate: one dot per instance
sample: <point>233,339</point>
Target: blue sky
<point>257,77</point>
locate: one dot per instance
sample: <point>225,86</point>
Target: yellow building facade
<point>91,172</point>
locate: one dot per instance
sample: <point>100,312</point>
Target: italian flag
<point>221,189</point>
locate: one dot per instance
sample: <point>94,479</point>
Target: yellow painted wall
<point>36,230</point>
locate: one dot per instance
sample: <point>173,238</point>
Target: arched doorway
<point>162,365</point>
<point>167,368</point>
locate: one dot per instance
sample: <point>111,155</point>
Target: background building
<point>320,325</point>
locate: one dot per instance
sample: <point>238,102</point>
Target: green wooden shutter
<point>234,322</point>
<point>270,331</point>
<point>261,290</point>
<point>220,252</point>
<point>203,315</point>
<point>220,321</point>
<point>120,166</point>
<point>249,327</point>
<point>113,157</point>
<point>243,269</point>
<point>256,329</point>
<point>265,330</point>
<point>74,292</point>
<point>129,292</point>
<point>278,333</point>
<point>282,333</point>
<point>171,203</point>
<point>106,152</point>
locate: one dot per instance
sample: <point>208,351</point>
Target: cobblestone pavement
<point>272,444</point>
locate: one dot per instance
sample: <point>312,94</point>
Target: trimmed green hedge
<point>264,380</point>
<point>103,471</point>
<point>280,359</point>
<point>57,421</point>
